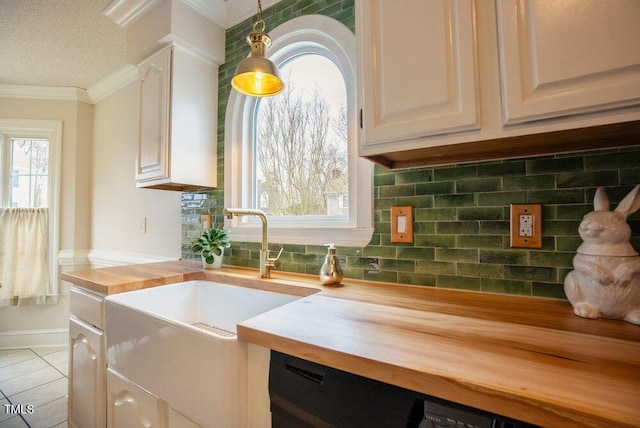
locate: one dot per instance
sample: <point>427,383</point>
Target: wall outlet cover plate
<point>205,221</point>
<point>526,226</point>
<point>402,224</point>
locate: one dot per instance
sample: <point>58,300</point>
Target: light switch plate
<point>526,226</point>
<point>402,224</point>
<point>205,221</point>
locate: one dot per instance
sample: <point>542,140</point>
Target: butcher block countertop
<point>526,358</point>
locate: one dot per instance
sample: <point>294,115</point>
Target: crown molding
<point>96,92</point>
<point>126,12</point>
<point>112,83</point>
<point>214,10</point>
<point>239,10</point>
<point>55,93</point>
<point>225,13</point>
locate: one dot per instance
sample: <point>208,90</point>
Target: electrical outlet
<point>374,266</point>
<point>526,226</point>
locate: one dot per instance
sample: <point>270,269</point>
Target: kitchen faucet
<point>266,263</point>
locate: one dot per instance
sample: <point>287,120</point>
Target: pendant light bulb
<point>256,75</point>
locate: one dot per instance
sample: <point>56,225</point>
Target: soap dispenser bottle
<point>331,272</point>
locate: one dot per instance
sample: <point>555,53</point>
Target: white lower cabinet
<point>258,400</point>
<point>101,395</point>
<point>86,375</point>
<point>131,406</point>
<point>178,420</point>
<point>87,383</point>
<point>128,405</point>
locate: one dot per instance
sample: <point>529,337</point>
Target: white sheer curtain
<point>24,270</point>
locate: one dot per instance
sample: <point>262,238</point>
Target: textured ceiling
<point>71,43</point>
<point>58,43</point>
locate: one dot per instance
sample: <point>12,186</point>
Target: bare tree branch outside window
<point>301,153</point>
<point>29,173</point>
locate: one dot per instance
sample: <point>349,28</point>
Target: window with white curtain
<point>29,207</point>
<point>294,155</point>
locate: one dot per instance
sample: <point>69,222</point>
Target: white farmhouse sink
<point>178,342</point>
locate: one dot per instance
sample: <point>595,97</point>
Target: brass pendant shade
<point>256,75</point>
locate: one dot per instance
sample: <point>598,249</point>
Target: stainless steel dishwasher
<point>305,394</point>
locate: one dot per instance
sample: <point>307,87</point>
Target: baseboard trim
<point>34,338</point>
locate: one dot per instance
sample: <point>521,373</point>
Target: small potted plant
<point>211,245</point>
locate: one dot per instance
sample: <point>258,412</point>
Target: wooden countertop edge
<point>432,352</point>
<point>118,279</point>
<point>527,311</point>
<point>517,407</point>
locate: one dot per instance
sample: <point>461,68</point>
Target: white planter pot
<point>217,261</point>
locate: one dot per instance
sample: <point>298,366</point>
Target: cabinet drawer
<point>87,306</point>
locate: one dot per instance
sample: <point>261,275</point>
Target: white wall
<point>100,208</point>
<point>117,206</point>
<point>47,324</point>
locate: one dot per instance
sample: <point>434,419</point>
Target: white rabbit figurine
<point>605,281</point>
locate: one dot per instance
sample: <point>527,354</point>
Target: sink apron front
<point>152,341</point>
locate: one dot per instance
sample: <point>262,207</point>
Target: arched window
<point>294,155</point>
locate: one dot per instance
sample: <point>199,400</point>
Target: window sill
<point>345,237</point>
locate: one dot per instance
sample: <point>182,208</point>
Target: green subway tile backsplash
<point>461,212</point>
<point>545,165</point>
<point>479,185</point>
<point>585,178</point>
<point>513,168</point>
<point>494,285</point>
<point>533,273</point>
<point>458,282</point>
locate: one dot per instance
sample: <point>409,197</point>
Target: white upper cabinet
<point>177,51</point>
<point>565,57</point>
<point>418,67</point>
<point>177,121</point>
<point>450,81</point>
<point>154,111</point>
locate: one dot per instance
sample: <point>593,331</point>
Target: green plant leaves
<point>211,242</point>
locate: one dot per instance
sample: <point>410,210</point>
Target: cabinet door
<point>154,77</point>
<point>178,420</point>
<point>86,375</point>
<point>559,58</point>
<point>418,72</point>
<point>130,406</point>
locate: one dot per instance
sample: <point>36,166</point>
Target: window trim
<point>306,34</point>
<point>51,130</point>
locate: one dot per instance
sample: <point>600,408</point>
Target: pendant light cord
<point>259,20</point>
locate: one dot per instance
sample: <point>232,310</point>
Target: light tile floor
<point>35,379</point>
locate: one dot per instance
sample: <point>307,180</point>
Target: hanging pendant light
<point>256,75</point>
